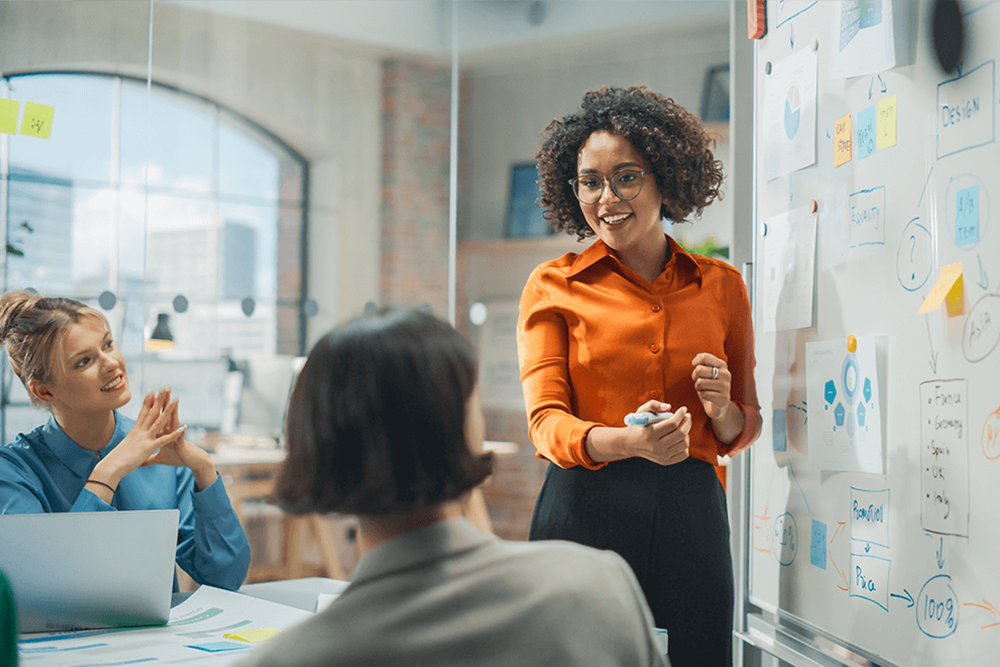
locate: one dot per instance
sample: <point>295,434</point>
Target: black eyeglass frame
<point>575,181</point>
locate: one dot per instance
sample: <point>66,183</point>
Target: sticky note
<point>886,123</point>
<point>779,430</point>
<point>8,116</point>
<point>215,647</point>
<point>948,288</point>
<point>866,132</point>
<point>817,546</point>
<point>253,635</point>
<point>37,121</point>
<point>967,216</point>
<point>842,141</point>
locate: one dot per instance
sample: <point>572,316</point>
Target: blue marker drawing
<point>785,540</point>
<point>967,216</point>
<point>817,548</point>
<point>937,608</point>
<point>913,258</point>
<point>866,132</point>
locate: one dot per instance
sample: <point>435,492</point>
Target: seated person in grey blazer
<point>385,423</point>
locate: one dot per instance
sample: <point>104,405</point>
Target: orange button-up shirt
<point>595,341</point>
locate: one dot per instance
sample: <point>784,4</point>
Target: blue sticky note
<point>779,430</point>
<point>866,132</point>
<point>967,216</point>
<point>817,546</point>
<point>215,647</point>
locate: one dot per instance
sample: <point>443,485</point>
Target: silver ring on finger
<point>715,372</point>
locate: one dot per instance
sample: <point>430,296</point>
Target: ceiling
<point>426,27</point>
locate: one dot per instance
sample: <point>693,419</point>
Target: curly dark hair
<point>671,138</point>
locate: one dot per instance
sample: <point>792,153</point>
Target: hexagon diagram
<point>868,389</point>
<point>830,392</point>
<point>851,427</point>
<point>838,414</point>
<point>861,414</point>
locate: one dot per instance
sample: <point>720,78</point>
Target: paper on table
<point>844,406</point>
<point>324,600</point>
<point>253,635</point>
<point>789,257</point>
<point>199,621</point>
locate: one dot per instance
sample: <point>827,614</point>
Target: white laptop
<point>86,570</point>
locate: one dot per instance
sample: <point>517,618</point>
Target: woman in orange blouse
<point>634,323</point>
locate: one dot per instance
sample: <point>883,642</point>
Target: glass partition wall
<point>227,181</point>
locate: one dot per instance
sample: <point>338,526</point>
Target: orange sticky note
<point>885,135</point>
<point>253,635</point>
<point>8,116</point>
<point>37,121</point>
<point>842,141</point>
<point>948,289</point>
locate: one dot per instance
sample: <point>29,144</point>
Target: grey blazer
<point>449,594</point>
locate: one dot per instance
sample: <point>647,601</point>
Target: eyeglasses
<point>625,184</point>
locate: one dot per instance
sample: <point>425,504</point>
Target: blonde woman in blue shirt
<point>88,457</point>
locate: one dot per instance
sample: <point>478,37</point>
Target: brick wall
<point>416,134</point>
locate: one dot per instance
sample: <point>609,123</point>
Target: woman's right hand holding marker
<point>664,442</point>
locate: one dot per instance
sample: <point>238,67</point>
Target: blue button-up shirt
<point>45,471</point>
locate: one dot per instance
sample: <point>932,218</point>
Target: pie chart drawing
<point>793,112</point>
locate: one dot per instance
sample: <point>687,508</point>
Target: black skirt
<point>670,523</point>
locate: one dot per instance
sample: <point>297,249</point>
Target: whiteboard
<point>893,554</point>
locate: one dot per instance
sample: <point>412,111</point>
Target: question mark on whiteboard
<point>913,245</point>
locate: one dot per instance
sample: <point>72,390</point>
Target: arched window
<point>156,202</point>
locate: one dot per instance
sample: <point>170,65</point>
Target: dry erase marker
<point>646,418</point>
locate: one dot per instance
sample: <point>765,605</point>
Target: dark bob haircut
<point>376,422</point>
<point>671,139</point>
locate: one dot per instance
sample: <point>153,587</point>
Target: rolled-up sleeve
<point>542,350</point>
<point>739,350</point>
<point>212,546</point>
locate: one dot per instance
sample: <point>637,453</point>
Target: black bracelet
<point>104,484</point>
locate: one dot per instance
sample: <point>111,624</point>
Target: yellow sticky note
<point>842,141</point>
<point>253,635</point>
<point>37,121</point>
<point>948,288</point>
<point>885,135</point>
<point>8,116</point>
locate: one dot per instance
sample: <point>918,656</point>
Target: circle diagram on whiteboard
<point>793,112</point>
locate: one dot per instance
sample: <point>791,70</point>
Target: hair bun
<point>11,306</point>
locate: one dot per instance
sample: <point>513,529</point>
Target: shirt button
<point>654,348</point>
<point>97,455</point>
<point>656,307</point>
<point>654,394</point>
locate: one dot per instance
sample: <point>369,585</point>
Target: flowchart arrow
<point>940,555</point>
<point>983,281</point>
<point>791,39</point>
<point>881,82</point>
<point>988,607</point>
<point>907,597</point>
<point>868,547</point>
<point>829,552</point>
<point>930,341</point>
